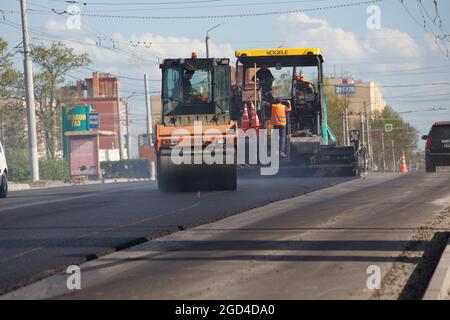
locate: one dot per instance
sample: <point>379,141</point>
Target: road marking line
<point>39,203</point>
<point>21,254</point>
<point>24,253</point>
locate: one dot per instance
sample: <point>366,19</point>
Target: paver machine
<point>311,144</point>
<point>195,140</point>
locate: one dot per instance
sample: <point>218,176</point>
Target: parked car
<point>437,146</point>
<point>3,173</point>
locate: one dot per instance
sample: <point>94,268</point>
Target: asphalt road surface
<point>320,245</point>
<point>43,231</point>
<point>317,246</point>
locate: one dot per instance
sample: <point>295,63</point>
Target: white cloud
<point>303,31</point>
<point>53,25</point>
<point>391,42</point>
<point>164,47</point>
<point>339,44</point>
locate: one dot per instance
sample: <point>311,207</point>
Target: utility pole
<point>127,110</point>
<point>149,126</point>
<point>29,94</point>
<point>383,152</point>
<point>363,131</point>
<point>1,127</point>
<point>344,134</point>
<point>207,39</point>
<point>119,122</point>
<point>394,164</point>
<point>149,112</point>
<point>369,135</point>
<point>347,133</point>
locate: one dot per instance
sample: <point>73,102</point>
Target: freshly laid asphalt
<point>323,245</point>
<point>44,230</point>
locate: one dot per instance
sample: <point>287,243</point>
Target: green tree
<point>12,108</point>
<point>8,76</point>
<point>53,169</point>
<point>54,63</point>
<point>335,107</point>
<point>18,164</point>
<point>404,136</point>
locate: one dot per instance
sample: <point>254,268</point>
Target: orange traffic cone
<point>403,168</point>
<point>255,120</point>
<point>244,119</point>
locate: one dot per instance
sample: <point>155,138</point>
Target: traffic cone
<point>403,168</point>
<point>255,120</point>
<point>244,119</point>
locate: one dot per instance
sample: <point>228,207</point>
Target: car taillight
<point>428,144</point>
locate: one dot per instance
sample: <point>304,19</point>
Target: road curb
<point>25,186</point>
<point>439,286</point>
<point>18,186</point>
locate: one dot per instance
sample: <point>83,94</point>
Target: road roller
<point>196,137</point>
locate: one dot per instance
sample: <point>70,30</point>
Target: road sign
<point>94,120</point>
<point>345,89</point>
<point>355,136</point>
<point>388,127</point>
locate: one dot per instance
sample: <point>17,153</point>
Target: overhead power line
<point>51,37</point>
<point>426,110</point>
<point>436,20</point>
<point>436,38</point>
<point>144,3</point>
<point>412,85</point>
<point>196,6</point>
<point>227,16</point>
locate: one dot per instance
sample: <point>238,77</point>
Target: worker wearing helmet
<point>306,102</point>
<point>303,85</point>
<point>279,121</point>
<point>299,77</point>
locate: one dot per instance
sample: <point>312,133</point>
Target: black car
<point>437,147</point>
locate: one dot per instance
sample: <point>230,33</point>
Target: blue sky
<point>401,53</point>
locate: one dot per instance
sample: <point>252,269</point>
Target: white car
<point>3,173</point>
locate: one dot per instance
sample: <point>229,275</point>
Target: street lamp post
<point>127,119</point>
<point>29,94</point>
<point>207,39</point>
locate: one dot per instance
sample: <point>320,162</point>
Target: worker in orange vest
<point>278,121</point>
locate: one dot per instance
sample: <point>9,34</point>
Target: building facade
<point>357,96</point>
<point>102,92</point>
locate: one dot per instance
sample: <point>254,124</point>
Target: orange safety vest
<point>278,114</point>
